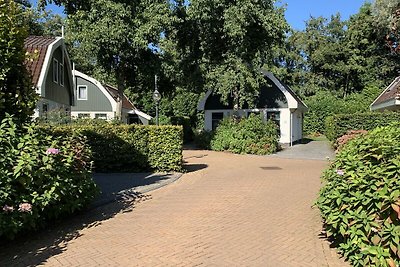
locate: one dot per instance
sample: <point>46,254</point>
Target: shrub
<point>246,136</point>
<point>203,138</point>
<point>360,201</point>
<point>344,139</point>
<point>338,125</point>
<point>41,178</point>
<point>129,148</point>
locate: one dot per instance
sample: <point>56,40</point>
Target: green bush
<point>338,125</point>
<point>246,136</point>
<point>41,178</point>
<point>360,201</point>
<point>129,148</point>
<point>203,138</point>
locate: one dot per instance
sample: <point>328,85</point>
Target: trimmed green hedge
<point>338,125</point>
<point>129,148</point>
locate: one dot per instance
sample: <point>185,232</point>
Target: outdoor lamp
<point>156,97</point>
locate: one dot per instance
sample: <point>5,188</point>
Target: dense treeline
<point>198,45</point>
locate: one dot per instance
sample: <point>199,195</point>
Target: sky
<point>299,11</point>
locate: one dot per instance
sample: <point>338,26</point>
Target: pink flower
<point>25,207</point>
<point>7,208</point>
<point>54,151</point>
<point>340,172</point>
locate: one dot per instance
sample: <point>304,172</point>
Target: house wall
<point>297,126</point>
<point>96,101</point>
<point>52,106</point>
<point>284,121</point>
<point>54,92</point>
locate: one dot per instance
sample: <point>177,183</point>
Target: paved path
<point>315,150</point>
<point>230,210</point>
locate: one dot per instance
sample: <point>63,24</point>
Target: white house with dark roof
<point>389,99</point>
<point>277,101</point>
<point>96,100</point>
<point>51,73</point>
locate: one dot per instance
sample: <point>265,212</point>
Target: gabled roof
<point>392,92</point>
<point>114,93</point>
<point>37,46</point>
<point>291,100</point>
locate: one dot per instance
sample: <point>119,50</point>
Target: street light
<point>156,97</point>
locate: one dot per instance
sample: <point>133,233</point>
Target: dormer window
<point>82,92</point>
<point>55,70</point>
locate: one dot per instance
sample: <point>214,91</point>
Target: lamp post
<point>156,97</point>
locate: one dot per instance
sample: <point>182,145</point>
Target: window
<point>216,118</point>
<point>83,115</point>
<point>274,115</point>
<point>61,73</point>
<point>55,70</point>
<point>82,92</point>
<point>101,116</point>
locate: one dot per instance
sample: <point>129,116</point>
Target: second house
<point>96,100</point>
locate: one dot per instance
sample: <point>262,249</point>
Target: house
<point>51,73</point>
<point>97,100</point>
<point>277,101</point>
<point>389,99</point>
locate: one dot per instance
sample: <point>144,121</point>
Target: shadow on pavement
<point>35,249</point>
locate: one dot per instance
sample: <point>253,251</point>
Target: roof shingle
<point>36,46</point>
<point>391,92</point>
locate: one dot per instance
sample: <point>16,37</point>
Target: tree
<point>117,37</point>
<point>17,97</point>
<point>221,45</point>
<point>387,14</point>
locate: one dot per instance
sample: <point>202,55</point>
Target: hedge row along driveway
<point>129,148</point>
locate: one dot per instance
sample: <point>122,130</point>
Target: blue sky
<point>298,11</point>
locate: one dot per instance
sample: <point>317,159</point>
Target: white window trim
<point>102,117</point>
<point>55,70</point>
<point>77,93</point>
<point>61,73</point>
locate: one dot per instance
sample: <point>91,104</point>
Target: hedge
<point>41,178</point>
<point>360,199</point>
<point>129,148</point>
<point>338,125</point>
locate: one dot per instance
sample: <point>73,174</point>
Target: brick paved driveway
<point>230,210</point>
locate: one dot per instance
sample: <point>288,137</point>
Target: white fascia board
<point>386,104</point>
<point>384,91</point>
<point>202,103</point>
<point>139,113</point>
<point>100,86</point>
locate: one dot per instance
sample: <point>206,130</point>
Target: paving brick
<point>238,211</point>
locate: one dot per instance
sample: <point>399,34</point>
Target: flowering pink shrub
<point>35,186</point>
<point>54,151</point>
<point>341,141</point>
<point>25,207</point>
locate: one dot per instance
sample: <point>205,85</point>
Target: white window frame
<point>100,116</point>
<point>83,115</point>
<point>77,92</point>
<point>61,74</point>
<point>55,71</point>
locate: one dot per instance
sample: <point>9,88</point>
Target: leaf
<point>376,239</point>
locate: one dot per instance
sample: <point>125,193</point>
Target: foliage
<point>360,200</point>
<point>221,45</point>
<point>41,178</point>
<point>203,138</point>
<point>247,136</point>
<point>16,94</point>
<point>324,104</point>
<point>338,125</point>
<point>128,148</point>
<point>117,37</point>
